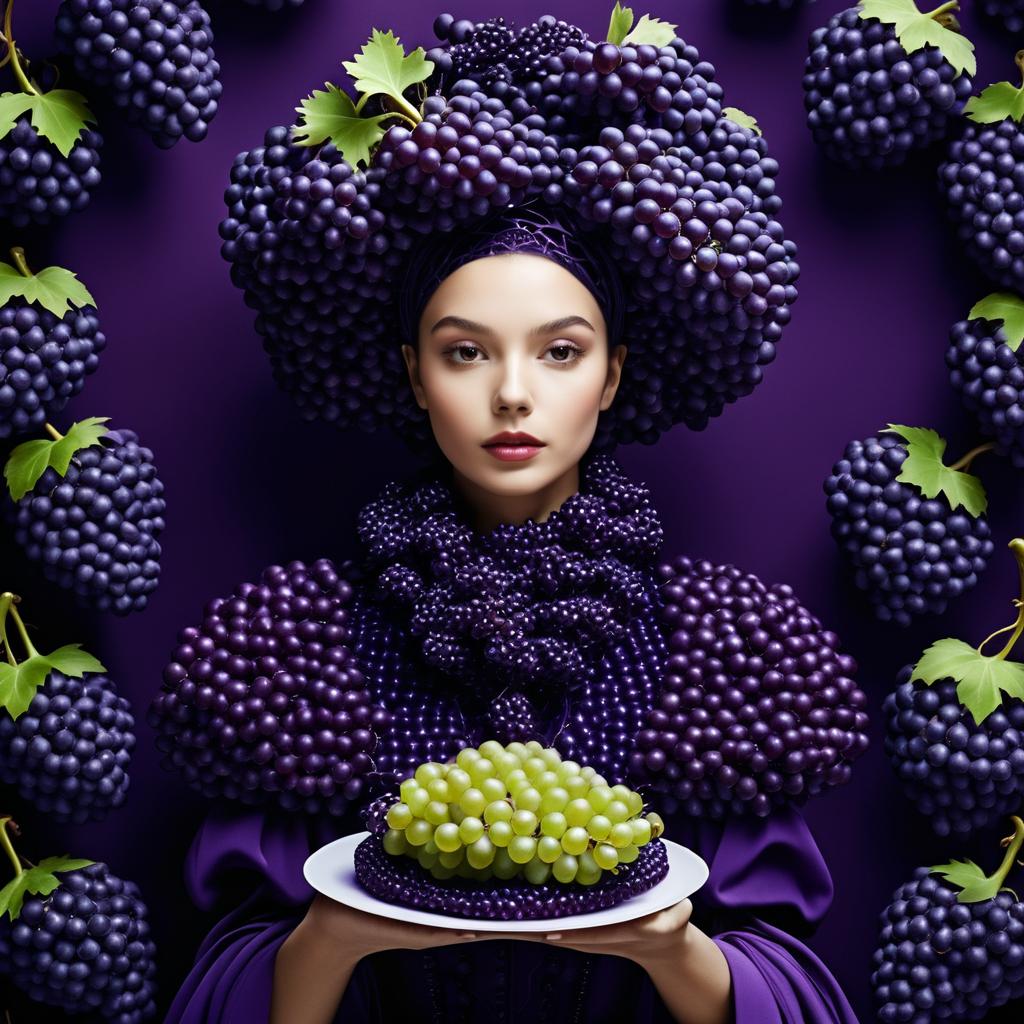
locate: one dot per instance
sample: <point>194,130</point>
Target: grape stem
<point>953,5</point>
<point>18,255</point>
<point>1017,547</point>
<point>1013,842</point>
<point>6,599</point>
<point>5,841</point>
<point>12,52</point>
<point>965,463</point>
<point>1018,59</point>
<point>23,633</point>
<point>54,432</point>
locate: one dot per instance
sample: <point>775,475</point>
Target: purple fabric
<point>526,229</point>
<point>760,870</point>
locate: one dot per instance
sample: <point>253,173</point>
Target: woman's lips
<point>513,452</point>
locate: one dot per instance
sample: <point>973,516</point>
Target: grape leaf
<point>1004,307</point>
<point>331,115</point>
<point>59,115</point>
<point>620,23</point>
<point>652,31</point>
<point>995,103</point>
<point>73,661</point>
<point>924,468</point>
<point>19,683</point>
<point>53,288</point>
<point>383,67</point>
<point>915,30</point>
<point>970,879</point>
<point>981,678</point>
<point>743,120</point>
<point>40,881</point>
<point>12,106</point>
<point>30,460</point>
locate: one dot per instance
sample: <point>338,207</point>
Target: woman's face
<point>513,342</point>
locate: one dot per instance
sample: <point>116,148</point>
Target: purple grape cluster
<point>401,880</point>
<point>264,703</point>
<point>989,377</point>
<point>375,812</point>
<point>911,554</point>
<point>68,754</point>
<point>94,531</point>
<point>938,959</point>
<point>980,179</point>
<point>960,775</point>
<point>512,718</point>
<point>320,248</point>
<point>870,103</point>
<point>44,360</point>
<point>37,184</point>
<point>154,57</point>
<point>1009,13</point>
<point>84,947</point>
<point>757,708</point>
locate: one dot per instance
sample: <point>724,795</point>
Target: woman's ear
<point>413,367</point>
<point>615,361</point>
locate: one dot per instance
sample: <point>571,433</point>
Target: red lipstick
<point>513,446</point>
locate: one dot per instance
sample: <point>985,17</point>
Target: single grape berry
<point>94,530</point>
<point>758,708</point>
<point>264,703</point>
<point>85,946</point>
<point>38,184</point>
<point>870,102</point>
<point>912,554</point>
<point>154,58</point>
<point>68,754</point>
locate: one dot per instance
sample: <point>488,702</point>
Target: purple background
<point>248,484</point>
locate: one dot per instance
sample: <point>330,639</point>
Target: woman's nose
<point>512,391</point>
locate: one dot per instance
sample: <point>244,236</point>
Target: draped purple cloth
<point>767,884</point>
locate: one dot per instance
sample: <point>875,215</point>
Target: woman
<point>511,324</point>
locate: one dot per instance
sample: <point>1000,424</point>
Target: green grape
<point>465,871</point>
<point>481,853</point>
<point>567,769</point>
<point>458,782</point>
<point>493,789</point>
<point>528,799</point>
<point>641,831</point>
<point>473,801</point>
<point>519,749</point>
<point>565,868</point>
<point>427,771</point>
<point>439,871</point>
<point>605,856</point>
<point>515,778</point>
<point>589,870</point>
<point>599,798</point>
<point>621,835</point>
<point>395,843</point>
<point>551,757</point>
<point>599,827</point>
<point>465,757</point>
<point>621,792</point>
<point>628,854</point>
<point>419,832</point>
<point>456,813</point>
<point>657,825</point>
<point>427,858</point>
<point>533,766</point>
<point>537,872</point>
<point>480,770</point>
<point>635,803</point>
<point>587,772</point>
<point>505,763</point>
<point>578,812</point>
<point>498,810</point>
<point>554,799</point>
<point>533,746</point>
<point>575,841</point>
<point>554,824</point>
<point>524,822</point>
<point>436,813</point>
<point>576,786</point>
<point>418,801</point>
<point>549,849</point>
<point>470,830</point>
<point>490,748</point>
<point>398,815</point>
<point>430,846</point>
<point>598,780</point>
<point>407,788</point>
<point>522,849</point>
<point>616,811</point>
<point>504,866</point>
<point>501,833</point>
<point>447,837</point>
<point>451,858</point>
<point>439,790</point>
<point>545,781</point>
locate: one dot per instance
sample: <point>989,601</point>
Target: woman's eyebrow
<point>462,324</point>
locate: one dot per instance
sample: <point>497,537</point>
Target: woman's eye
<point>470,352</point>
<point>565,353</point>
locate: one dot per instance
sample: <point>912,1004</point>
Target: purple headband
<point>522,229</point>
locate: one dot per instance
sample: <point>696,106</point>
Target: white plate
<point>331,870</point>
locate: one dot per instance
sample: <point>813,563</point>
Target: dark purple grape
<point>980,180</point>
<point>1008,13</point>
<point>84,947</point>
<point>37,184</point>
<point>911,554</point>
<point>757,709</point>
<point>68,754</point>
<point>44,360</point>
<point>870,103</point>
<point>483,56</point>
<point>264,703</point>
<point>960,775</point>
<point>512,718</point>
<point>95,530</point>
<point>989,377</point>
<point>402,880</point>
<point>939,959</point>
<point>154,58</point>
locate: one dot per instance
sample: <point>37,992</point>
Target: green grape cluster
<point>517,810</point>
